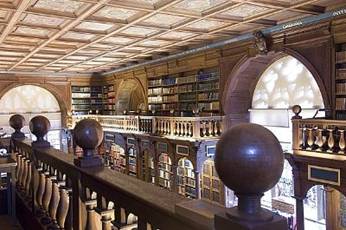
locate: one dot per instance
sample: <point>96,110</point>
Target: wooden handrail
<point>319,136</point>
<point>170,127</point>
<point>97,196</point>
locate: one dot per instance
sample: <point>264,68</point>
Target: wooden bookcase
<point>87,100</point>
<point>184,92</point>
<point>165,171</point>
<point>109,100</point>
<point>212,187</point>
<point>340,82</point>
<point>186,180</point>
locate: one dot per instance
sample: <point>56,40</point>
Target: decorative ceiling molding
<point>87,36</point>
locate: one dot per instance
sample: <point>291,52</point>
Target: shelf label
<point>162,147</point>
<point>324,175</point>
<point>210,150</point>
<point>182,150</point>
<point>131,141</point>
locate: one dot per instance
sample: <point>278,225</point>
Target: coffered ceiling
<point>88,36</point>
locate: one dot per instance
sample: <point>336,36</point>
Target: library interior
<point>173,114</point>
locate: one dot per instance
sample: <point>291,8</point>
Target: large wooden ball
<point>249,159</point>
<point>17,121</point>
<point>88,134</point>
<point>39,126</point>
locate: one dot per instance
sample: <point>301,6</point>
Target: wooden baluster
<point>215,123</point>
<point>319,139</point>
<point>27,186</point>
<point>174,127</point>
<point>310,138</point>
<point>22,172</point>
<point>188,129</point>
<point>169,127</point>
<point>55,199</point>
<point>91,215</point>
<point>106,219</point>
<point>204,128</point>
<point>40,191</point>
<point>164,124</point>
<point>342,142</point>
<point>49,177</point>
<point>210,128</point>
<point>183,128</point>
<point>63,206</point>
<point>179,128</point>
<point>331,140</point>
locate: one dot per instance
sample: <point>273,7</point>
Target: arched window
<point>285,83</point>
<point>30,101</point>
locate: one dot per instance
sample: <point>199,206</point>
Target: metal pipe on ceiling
<point>278,28</point>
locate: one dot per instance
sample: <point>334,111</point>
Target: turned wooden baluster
<point>175,127</point>
<point>310,138</point>
<point>342,141</point>
<point>41,189</point>
<point>191,128</point>
<point>169,127</point>
<point>47,196</point>
<point>183,128</point>
<point>55,198</point>
<point>204,128</point>
<point>331,141</point>
<point>19,168</point>
<point>319,139</point>
<point>210,128</point>
<point>187,128</point>
<point>91,204</point>
<point>106,212</point>
<point>215,127</point>
<point>36,177</point>
<point>64,211</point>
<point>27,186</point>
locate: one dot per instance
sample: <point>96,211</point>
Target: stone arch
<point>240,85</point>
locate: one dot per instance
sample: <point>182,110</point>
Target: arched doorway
<point>30,101</point>
<point>130,96</point>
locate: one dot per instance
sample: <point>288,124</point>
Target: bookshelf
<point>87,100</point>
<point>118,158</point>
<point>184,92</point>
<point>340,82</point>
<point>211,185</point>
<point>132,161</point>
<point>165,171</point>
<point>148,167</point>
<point>109,100</point>
<point>186,181</point>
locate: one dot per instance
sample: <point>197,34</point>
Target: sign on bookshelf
<point>182,150</point>
<point>162,147</point>
<point>210,150</point>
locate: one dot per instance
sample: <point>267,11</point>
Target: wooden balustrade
<point>325,136</point>
<point>61,194</point>
<point>184,127</point>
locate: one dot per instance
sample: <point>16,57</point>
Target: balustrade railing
<point>319,135</point>
<point>185,127</point>
<point>63,196</point>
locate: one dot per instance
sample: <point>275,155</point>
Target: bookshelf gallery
<point>175,165</point>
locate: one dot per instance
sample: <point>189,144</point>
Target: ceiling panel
<point>93,35</point>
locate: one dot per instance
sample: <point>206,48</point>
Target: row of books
<point>341,57</point>
<point>86,89</point>
<point>341,88</point>
<point>86,95</point>
<point>340,103</point>
<point>209,105</point>
<point>208,96</point>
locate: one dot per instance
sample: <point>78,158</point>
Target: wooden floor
<point>5,223</point>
